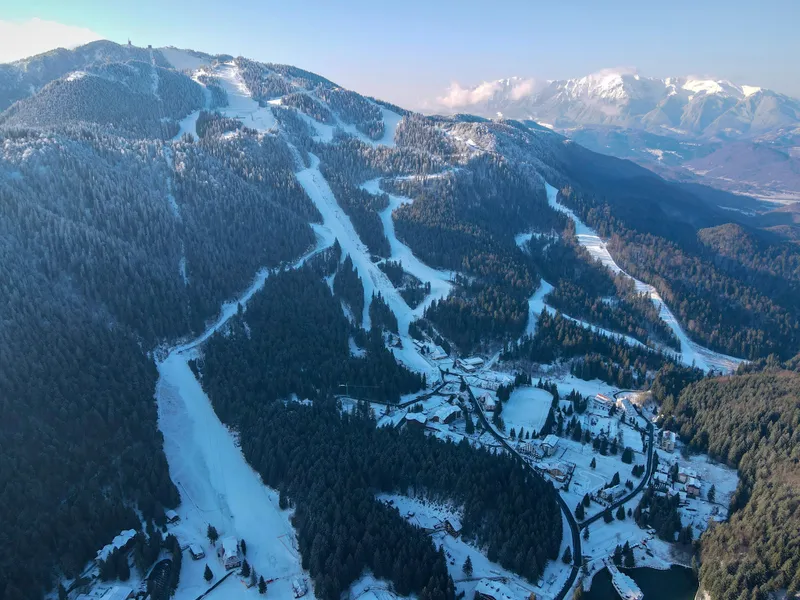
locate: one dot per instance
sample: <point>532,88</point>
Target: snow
<point>75,75</point>
<point>240,102</point>
<point>749,90</point>
<point>390,122</point>
<point>703,85</point>
<point>188,125</point>
<point>216,483</point>
<point>182,59</point>
<point>527,408</point>
<point>536,305</point>
<point>118,542</point>
<point>691,352</point>
<point>182,270</point>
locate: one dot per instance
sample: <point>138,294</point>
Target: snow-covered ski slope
<point>216,483</point>
<point>691,352</point>
<point>242,106</point>
<point>536,305</point>
<point>439,280</point>
<point>373,279</point>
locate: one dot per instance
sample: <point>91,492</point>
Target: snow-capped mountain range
<point>690,106</point>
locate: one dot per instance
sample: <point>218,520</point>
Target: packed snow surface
<point>691,352</point>
<point>182,59</point>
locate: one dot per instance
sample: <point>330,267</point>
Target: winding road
<point>574,526</point>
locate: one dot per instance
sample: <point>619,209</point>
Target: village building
<point>446,414</point>
<point>693,487</point>
<point>612,493</point>
<point>196,551</point>
<point>668,441</point>
<point>601,403</point>
<point>172,516</point>
<point>488,402</point>
<point>228,553</point>
<point>116,592</point>
<point>452,526</point>
<point>299,587</point>
<point>559,471</point>
<point>550,444</point>
<point>473,361</point>
<point>417,420</point>
<point>493,590</point>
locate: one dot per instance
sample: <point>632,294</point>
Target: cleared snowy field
<point>691,352</point>
<point>527,408</point>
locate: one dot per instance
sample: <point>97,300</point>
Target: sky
<point>415,51</point>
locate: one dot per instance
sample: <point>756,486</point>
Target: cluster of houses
<point>667,441</point>
<point>687,485</point>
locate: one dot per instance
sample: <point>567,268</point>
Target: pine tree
<point>586,533</point>
<point>580,513</point>
<point>467,567</point>
<point>607,515</point>
<point>262,585</point>
<point>243,546</point>
<point>245,568</point>
<point>621,513</point>
<point>712,493</point>
<point>593,464</point>
<point>567,558</point>
<point>207,574</point>
<point>212,534</point>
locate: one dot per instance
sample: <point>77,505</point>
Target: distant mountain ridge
<point>714,109</point>
<point>738,138</point>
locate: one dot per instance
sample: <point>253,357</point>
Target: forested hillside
<point>750,421</point>
<point>332,466</point>
<point>109,247</point>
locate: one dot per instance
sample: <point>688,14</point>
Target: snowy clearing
<point>527,408</point>
<point>691,352</point>
<point>240,102</point>
<point>182,59</point>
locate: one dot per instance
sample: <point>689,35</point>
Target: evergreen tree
<point>212,534</point>
<point>593,464</point>
<point>567,557</point>
<point>245,568</point>
<point>467,567</point>
<point>262,585</point>
<point>621,513</point>
<point>207,574</point>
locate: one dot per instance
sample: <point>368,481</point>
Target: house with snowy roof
<point>416,420</point>
<point>228,553</point>
<point>446,414</point>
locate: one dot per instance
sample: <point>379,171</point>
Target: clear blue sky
<point>410,51</point>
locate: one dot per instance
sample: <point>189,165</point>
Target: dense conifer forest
<point>750,421</point>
